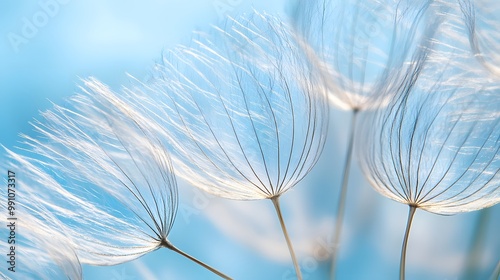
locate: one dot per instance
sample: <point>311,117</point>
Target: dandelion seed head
<point>437,145</point>
<point>241,111</point>
<point>103,175</point>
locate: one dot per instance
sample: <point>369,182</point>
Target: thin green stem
<point>276,204</point>
<point>339,219</point>
<point>169,245</point>
<point>402,265</point>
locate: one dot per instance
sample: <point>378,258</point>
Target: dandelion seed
<point>436,146</point>
<point>246,119</point>
<point>360,47</point>
<point>105,177</point>
<point>359,44</point>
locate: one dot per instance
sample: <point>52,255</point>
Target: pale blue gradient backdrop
<point>107,39</point>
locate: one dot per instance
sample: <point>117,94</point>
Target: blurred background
<point>47,46</point>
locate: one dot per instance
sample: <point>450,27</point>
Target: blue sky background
<point>107,39</point>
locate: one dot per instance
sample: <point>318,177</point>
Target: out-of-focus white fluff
<point>360,46</point>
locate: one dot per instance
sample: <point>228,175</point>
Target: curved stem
<point>276,204</point>
<point>405,242</point>
<point>169,245</point>
<point>339,219</point>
